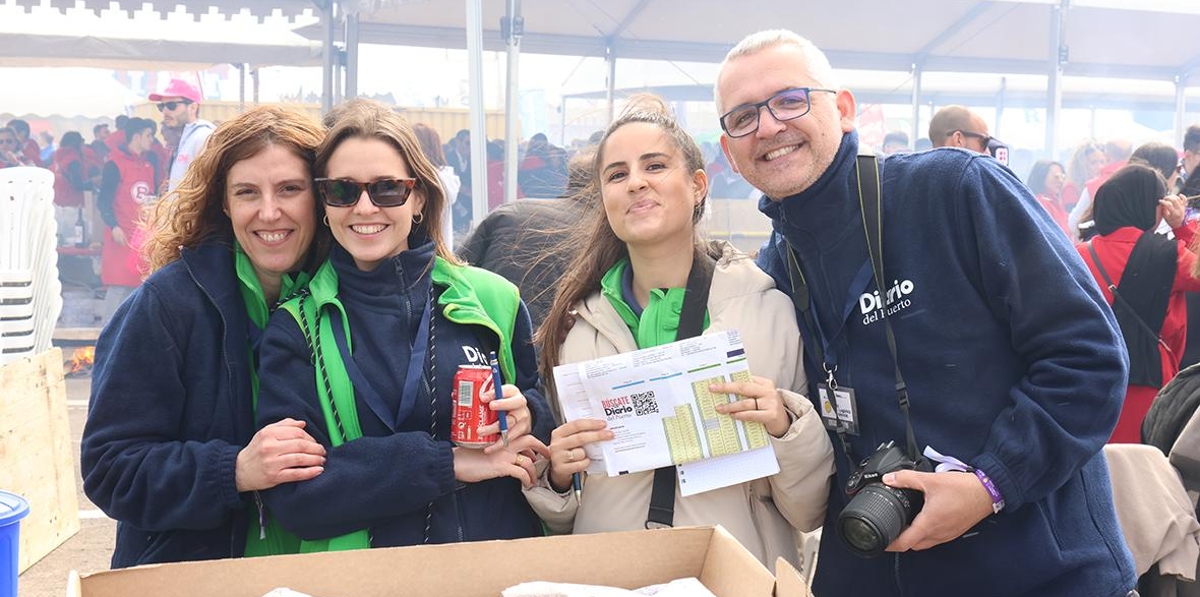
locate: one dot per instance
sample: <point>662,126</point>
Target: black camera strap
<point>691,324</point>
<point>870,205</point>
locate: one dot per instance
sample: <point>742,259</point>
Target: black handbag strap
<point>1117,297</point>
<point>691,324</point>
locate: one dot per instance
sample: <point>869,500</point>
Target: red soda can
<point>470,413</point>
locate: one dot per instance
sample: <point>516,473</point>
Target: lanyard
<point>870,205</point>
<point>826,347</point>
<point>416,366</point>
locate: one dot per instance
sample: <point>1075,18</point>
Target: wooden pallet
<point>36,454</point>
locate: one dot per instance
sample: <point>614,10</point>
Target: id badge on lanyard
<point>838,404</point>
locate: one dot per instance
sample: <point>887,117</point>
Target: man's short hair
<point>136,125</point>
<point>1191,139</point>
<point>1160,156</point>
<point>1118,150</point>
<point>96,129</point>
<point>946,121</point>
<point>898,137</point>
<point>819,69</point>
<point>20,127</point>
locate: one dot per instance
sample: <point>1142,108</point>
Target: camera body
<point>876,513</point>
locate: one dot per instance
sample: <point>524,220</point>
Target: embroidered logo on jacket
<point>871,307</point>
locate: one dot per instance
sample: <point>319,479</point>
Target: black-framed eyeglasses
<point>788,104</point>
<point>164,106</point>
<point>385,192</point>
<point>983,139</point>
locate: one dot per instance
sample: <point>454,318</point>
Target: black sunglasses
<point>164,106</point>
<point>984,139</point>
<point>385,192</point>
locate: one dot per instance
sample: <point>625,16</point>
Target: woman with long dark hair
<point>1150,275</point>
<point>627,289</point>
<point>1046,180</point>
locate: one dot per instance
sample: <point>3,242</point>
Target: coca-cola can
<point>470,413</point>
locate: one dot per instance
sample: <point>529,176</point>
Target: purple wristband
<point>997,499</point>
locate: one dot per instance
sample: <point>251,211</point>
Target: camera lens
<point>875,517</point>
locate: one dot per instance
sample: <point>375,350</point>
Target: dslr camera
<point>877,514</point>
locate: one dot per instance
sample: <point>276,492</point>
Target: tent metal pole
<point>351,65</point>
<point>610,56</point>
<point>918,69</point>
<point>241,87</point>
<point>562,113</point>
<point>254,81</point>
<point>512,45</point>
<point>1000,98</point>
<point>327,58</point>
<point>1180,108</point>
<point>479,199</point>
<point>1058,57</point>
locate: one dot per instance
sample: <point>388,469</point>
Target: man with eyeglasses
<point>1011,389</point>
<point>179,104</point>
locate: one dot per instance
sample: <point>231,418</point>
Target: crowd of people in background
<point>242,257</point>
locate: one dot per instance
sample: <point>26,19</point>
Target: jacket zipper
<point>228,370</point>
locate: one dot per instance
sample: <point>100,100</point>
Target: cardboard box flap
<point>626,560</point>
<point>788,582</point>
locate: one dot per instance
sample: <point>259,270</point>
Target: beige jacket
<point>762,514</point>
<point>1157,517</point>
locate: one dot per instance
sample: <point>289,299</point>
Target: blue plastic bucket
<point>12,509</point>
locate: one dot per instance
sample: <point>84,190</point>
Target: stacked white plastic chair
<point>30,292</point>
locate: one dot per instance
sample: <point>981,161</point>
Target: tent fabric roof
<point>34,50</point>
<point>47,38</point>
<point>1000,36</point>
<point>258,8</point>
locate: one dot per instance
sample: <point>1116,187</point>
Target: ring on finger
<point>756,404</point>
<point>518,460</point>
<point>570,454</point>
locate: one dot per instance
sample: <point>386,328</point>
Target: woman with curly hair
<point>170,449</point>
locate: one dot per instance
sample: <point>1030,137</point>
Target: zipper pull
<point>262,517</point>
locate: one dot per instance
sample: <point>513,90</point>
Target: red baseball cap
<point>178,88</point>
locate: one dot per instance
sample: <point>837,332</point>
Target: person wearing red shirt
<point>127,183</point>
<point>1151,310</point>
<point>1046,180</point>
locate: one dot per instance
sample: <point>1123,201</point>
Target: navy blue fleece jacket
<point>1012,358</point>
<point>391,482</point>
<point>169,412</point>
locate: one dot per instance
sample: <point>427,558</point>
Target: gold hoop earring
<point>418,218</point>
<point>325,220</point>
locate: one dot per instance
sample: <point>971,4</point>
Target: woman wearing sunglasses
<point>170,449</point>
<point>631,289</point>
<point>368,360</point>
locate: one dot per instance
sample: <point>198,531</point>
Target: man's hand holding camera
<point>954,502</point>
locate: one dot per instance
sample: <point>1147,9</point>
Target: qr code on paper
<point>644,403</point>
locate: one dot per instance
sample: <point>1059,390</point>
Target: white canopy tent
<point>56,93</point>
<point>32,35</point>
<point>1092,38</point>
